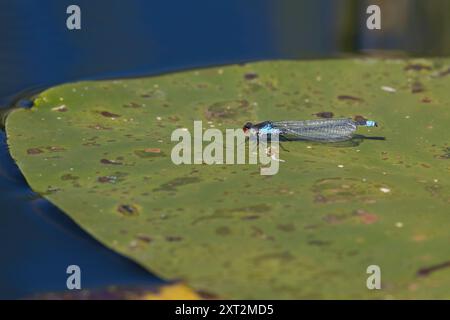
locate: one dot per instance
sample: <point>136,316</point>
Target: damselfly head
<point>247,127</point>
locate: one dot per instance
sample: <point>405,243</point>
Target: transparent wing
<point>325,130</point>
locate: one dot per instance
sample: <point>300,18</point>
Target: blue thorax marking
<point>267,129</point>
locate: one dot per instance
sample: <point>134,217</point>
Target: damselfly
<point>320,130</point>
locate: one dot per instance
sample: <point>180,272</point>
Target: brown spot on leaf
<point>250,76</point>
<point>69,177</point>
<point>259,233</point>
<point>109,114</point>
<point>173,118</point>
<point>173,238</point>
<point>325,115</point>
<point>250,217</point>
<point>33,151</point>
<point>107,179</point>
<point>417,67</point>
<point>113,162</point>
<point>350,98</point>
<point>128,210</point>
<point>144,238</point>
<point>202,85</point>
<point>426,100</point>
<point>51,190</point>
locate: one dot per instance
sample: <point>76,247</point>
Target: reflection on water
<point>142,37</point>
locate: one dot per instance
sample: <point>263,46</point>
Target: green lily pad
<point>101,150</point>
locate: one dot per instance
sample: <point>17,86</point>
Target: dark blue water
<point>144,37</point>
